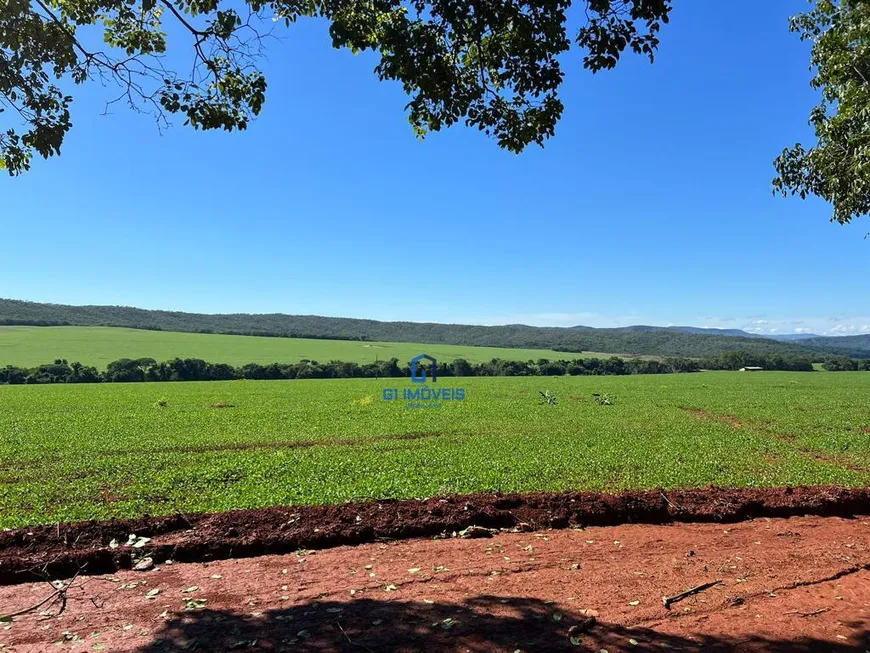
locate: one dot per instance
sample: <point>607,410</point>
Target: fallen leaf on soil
<point>193,604</point>
<point>137,542</point>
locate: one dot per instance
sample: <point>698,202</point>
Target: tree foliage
<point>844,364</point>
<point>735,360</point>
<point>493,64</point>
<point>837,168</point>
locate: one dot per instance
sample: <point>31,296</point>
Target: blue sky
<point>652,204</point>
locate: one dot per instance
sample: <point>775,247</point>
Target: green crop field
<point>71,452</point>
<point>98,346</point>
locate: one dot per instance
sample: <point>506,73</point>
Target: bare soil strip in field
<point>786,438</point>
<point>10,477</point>
<point>296,444</point>
<point>772,585</point>
<point>700,413</point>
<point>63,550</point>
<point>241,446</point>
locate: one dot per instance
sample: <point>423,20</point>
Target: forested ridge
<point>649,341</point>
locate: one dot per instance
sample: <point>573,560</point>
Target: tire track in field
<point>785,438</point>
<point>9,476</point>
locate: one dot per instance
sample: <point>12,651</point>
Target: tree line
<point>734,360</point>
<point>128,370</point>
<point>843,364</point>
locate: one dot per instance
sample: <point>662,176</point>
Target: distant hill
<point>791,337</point>
<point>640,341</point>
<point>640,328</point>
<point>860,343</point>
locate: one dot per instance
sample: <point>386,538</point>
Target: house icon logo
<point>418,374</point>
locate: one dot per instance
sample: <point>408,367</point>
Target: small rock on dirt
<point>476,531</point>
<point>145,564</point>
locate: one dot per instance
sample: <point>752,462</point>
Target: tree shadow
<point>481,623</point>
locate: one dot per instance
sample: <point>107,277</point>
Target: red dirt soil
<point>63,550</point>
<point>798,585</point>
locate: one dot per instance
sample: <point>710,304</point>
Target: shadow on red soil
<point>63,550</point>
<point>481,625</point>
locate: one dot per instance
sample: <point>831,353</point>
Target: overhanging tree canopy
<point>493,64</point>
<point>838,167</point>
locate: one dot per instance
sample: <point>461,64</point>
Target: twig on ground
<point>670,503</point>
<point>51,597</point>
<point>807,614</point>
<point>669,600</point>
<point>350,641</point>
<point>62,599</point>
<point>58,594</point>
